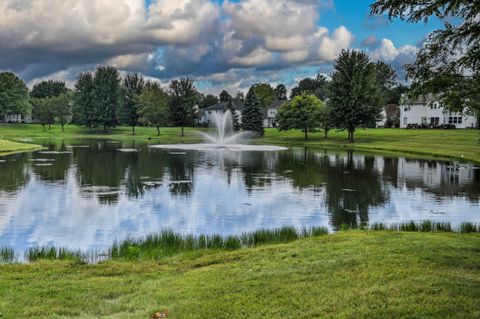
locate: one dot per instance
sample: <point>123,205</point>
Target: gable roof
<point>222,106</point>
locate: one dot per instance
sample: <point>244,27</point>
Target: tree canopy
<point>106,82</point>
<point>48,88</point>
<point>316,86</point>
<point>132,87</point>
<point>448,64</point>
<point>13,95</point>
<point>183,99</point>
<point>302,113</point>
<point>265,94</point>
<point>153,106</point>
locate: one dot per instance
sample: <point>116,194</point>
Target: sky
<point>221,44</point>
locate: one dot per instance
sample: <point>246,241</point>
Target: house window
<point>459,120</point>
<point>424,120</point>
<point>405,120</point>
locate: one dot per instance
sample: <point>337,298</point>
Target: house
<point>17,118</point>
<point>270,114</point>
<point>427,112</point>
<point>206,115</point>
<point>390,116</point>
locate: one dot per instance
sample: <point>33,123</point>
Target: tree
<point>265,94</point>
<point>302,113</point>
<point>386,79</point>
<point>281,92</point>
<point>240,97</point>
<point>153,106</point>
<point>44,111</point>
<point>208,100</point>
<point>62,108</point>
<point>235,117</point>
<point>132,87</point>
<point>84,100</point>
<point>183,96</point>
<point>447,65</point>
<point>13,95</point>
<point>354,92</point>
<point>225,96</point>
<point>252,116</point>
<point>326,119</point>
<point>106,88</point>
<point>48,88</point>
<point>316,86</point>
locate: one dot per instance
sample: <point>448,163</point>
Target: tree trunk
<point>44,129</point>
<point>49,126</point>
<point>182,132</point>
<point>63,130</point>
<point>306,134</point>
<point>133,130</point>
<point>158,130</point>
<point>350,136</point>
<point>326,134</point>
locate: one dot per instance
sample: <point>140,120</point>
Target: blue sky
<point>221,44</point>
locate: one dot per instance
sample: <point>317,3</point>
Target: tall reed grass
<point>167,242</point>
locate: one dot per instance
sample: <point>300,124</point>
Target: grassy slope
<point>458,144</point>
<point>353,274</point>
<point>7,147</point>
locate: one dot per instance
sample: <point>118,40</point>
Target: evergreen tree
<point>225,96</point>
<point>252,116</point>
<point>183,98</point>
<point>84,104</point>
<point>354,92</point>
<point>106,83</point>
<point>235,117</point>
<point>281,92</point>
<point>132,87</point>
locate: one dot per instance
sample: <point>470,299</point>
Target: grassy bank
<point>7,147</point>
<point>350,274</point>
<point>445,144</point>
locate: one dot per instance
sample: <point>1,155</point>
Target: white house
<point>427,111</point>
<point>17,118</point>
<point>270,114</point>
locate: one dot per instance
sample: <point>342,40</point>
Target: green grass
<point>444,144</point>
<point>7,147</point>
<point>350,274</point>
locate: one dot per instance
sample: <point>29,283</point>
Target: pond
<point>88,193</point>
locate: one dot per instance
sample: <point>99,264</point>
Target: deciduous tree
<point>153,106</point>
<point>183,98</point>
<point>131,88</point>
<point>13,95</point>
<point>302,113</point>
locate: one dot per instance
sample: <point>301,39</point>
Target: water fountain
<point>224,138</point>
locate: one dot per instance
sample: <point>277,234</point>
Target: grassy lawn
<point>453,144</point>
<point>350,274</point>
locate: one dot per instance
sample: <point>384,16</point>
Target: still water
<point>86,194</point>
